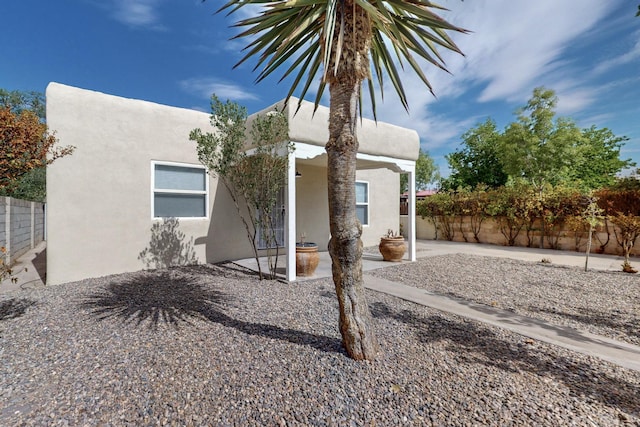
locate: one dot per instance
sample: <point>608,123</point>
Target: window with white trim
<point>362,202</point>
<point>179,190</point>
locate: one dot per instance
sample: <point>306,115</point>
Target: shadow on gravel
<point>609,320</point>
<point>472,343</point>
<point>513,318</point>
<point>180,296</point>
<point>14,307</point>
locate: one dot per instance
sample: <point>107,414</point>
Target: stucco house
<point>134,166</point>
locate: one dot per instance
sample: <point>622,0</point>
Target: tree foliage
<point>25,144</point>
<point>19,101</point>
<point>30,186</point>
<point>477,163</point>
<point>252,180</point>
<point>539,148</point>
<point>597,158</point>
<point>427,172</point>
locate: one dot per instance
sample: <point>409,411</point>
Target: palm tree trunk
<point>345,245</point>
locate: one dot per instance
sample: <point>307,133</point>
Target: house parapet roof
<point>375,138</point>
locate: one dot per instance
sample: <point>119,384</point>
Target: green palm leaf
<point>302,33</point>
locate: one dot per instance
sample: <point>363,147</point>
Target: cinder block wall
<point>490,233</point>
<point>21,226</point>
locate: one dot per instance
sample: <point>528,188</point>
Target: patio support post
<point>290,218</point>
<point>411,215</point>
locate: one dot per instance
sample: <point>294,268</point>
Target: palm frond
<point>302,33</point>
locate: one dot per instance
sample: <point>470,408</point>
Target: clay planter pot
<point>307,258</point>
<point>392,248</point>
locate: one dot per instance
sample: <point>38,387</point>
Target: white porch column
<point>290,218</point>
<point>411,217</point>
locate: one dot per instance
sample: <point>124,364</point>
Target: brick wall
<point>21,226</point>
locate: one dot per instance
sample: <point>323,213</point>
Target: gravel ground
<point>214,346</point>
<point>600,302</point>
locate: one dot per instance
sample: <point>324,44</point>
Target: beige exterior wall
<point>374,138</point>
<point>384,209</point>
<point>100,198</point>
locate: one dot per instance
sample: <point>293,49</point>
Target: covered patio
<point>385,151</point>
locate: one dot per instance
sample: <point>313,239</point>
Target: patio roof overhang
<point>381,145</point>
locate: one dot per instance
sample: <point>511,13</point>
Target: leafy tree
<point>427,172</point>
<point>32,185</point>
<point>538,147</point>
<point>25,144</point>
<point>19,101</point>
<point>478,161</point>
<point>344,38</point>
<point>597,158</point>
<point>253,181</point>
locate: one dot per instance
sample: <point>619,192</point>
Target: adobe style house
<point>133,195</point>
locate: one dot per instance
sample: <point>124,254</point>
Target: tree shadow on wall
<point>474,343</point>
<point>167,247</point>
<point>183,296</point>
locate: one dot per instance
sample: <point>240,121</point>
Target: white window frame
<point>367,204</point>
<point>155,190</point>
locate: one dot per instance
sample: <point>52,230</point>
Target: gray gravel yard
<point>210,345</point>
<point>601,302</point>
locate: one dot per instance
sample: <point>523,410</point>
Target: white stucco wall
<point>99,198</point>
<point>374,138</point>
<point>384,203</point>
<point>313,205</point>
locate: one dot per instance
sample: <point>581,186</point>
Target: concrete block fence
<point>490,233</point>
<point>21,226</point>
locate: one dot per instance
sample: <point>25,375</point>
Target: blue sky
<point>177,52</point>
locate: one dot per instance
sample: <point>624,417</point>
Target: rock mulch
<point>213,346</point>
<point>601,302</point>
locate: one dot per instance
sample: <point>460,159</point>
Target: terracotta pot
<point>307,258</point>
<point>392,248</point>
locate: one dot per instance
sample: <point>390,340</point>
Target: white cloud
<point>137,13</point>
<point>513,47</point>
<point>206,86</point>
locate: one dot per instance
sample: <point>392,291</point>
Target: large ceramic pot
<point>392,248</point>
<point>307,258</point>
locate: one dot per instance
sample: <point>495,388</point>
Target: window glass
<point>179,205</point>
<point>179,191</point>
<point>179,178</point>
<point>361,192</point>
<point>362,202</point>
<point>362,211</point>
